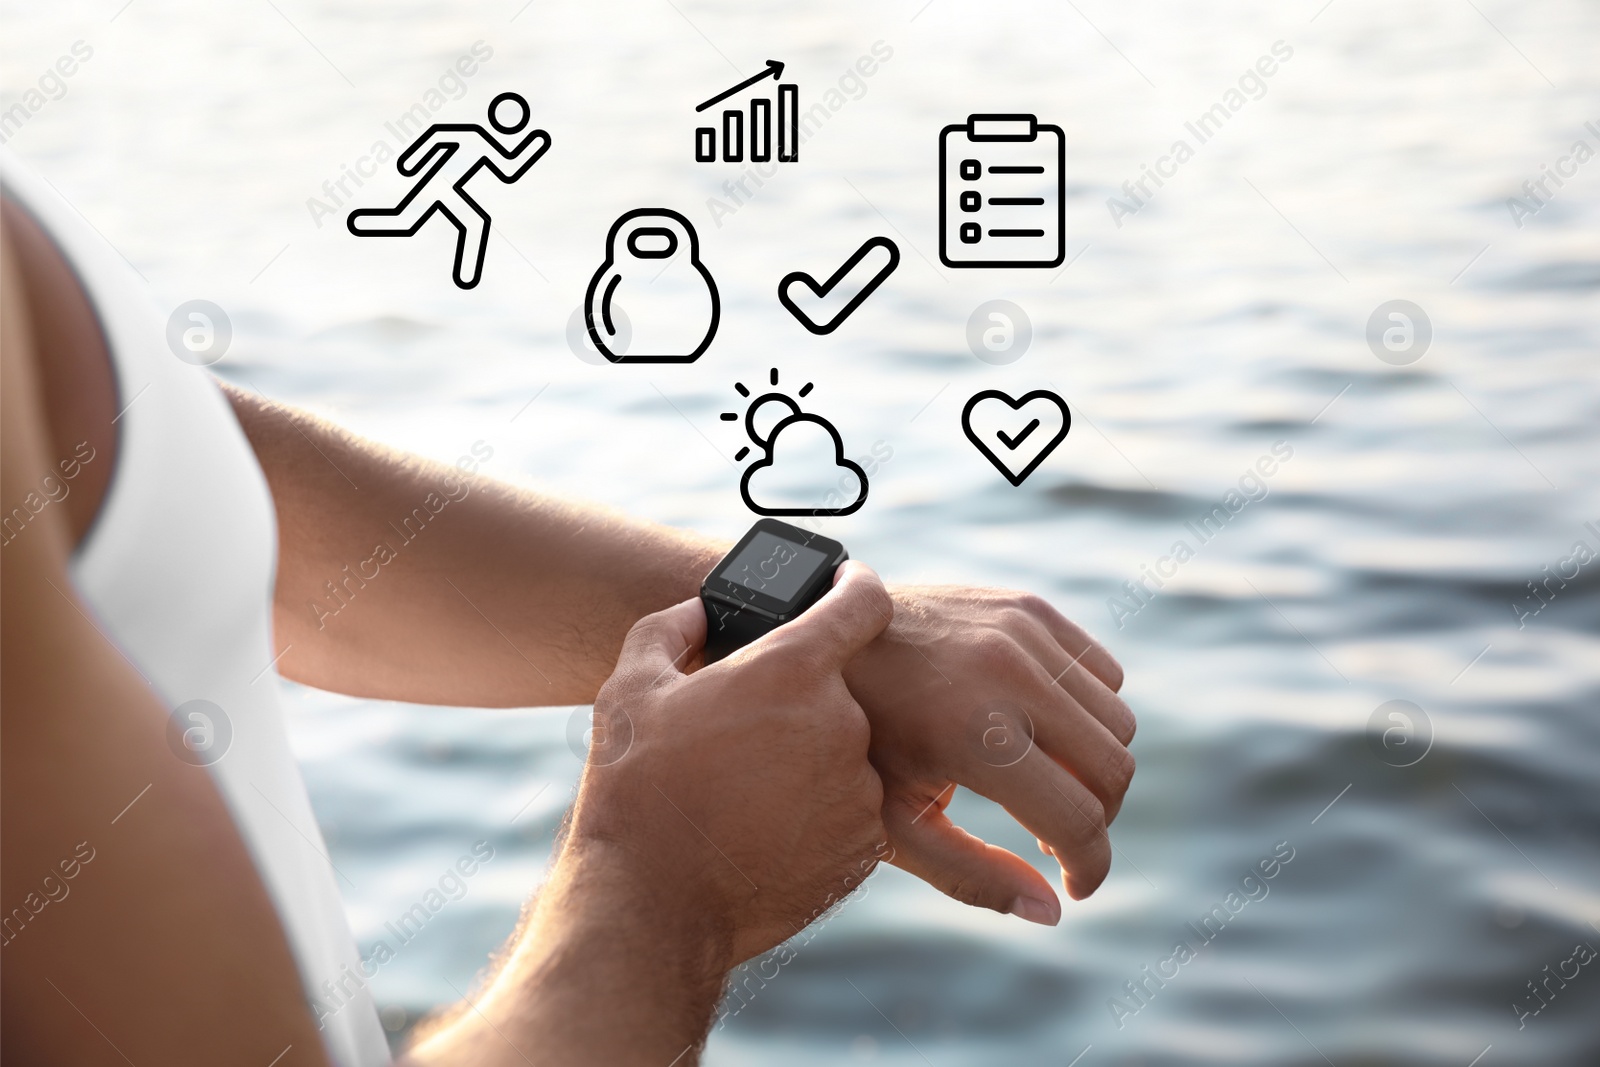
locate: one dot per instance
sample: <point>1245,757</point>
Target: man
<point>756,791</point>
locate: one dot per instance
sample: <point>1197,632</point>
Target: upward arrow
<point>774,71</point>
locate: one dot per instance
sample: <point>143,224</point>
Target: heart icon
<point>1016,435</point>
<point>886,256</point>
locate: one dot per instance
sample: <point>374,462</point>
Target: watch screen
<point>773,566</point>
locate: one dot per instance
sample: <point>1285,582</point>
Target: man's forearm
<point>408,580</point>
<point>612,967</point>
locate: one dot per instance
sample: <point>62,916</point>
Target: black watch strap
<point>729,629</point>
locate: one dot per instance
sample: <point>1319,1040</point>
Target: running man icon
<point>447,155</point>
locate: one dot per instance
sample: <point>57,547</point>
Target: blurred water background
<point>1389,558</point>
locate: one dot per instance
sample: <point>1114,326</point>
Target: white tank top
<point>178,569</point>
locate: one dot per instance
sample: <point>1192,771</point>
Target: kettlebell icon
<point>654,274</point>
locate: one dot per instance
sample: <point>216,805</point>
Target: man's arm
<point>505,597</point>
<point>404,579</point>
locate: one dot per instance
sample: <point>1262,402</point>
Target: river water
<point>1442,852</point>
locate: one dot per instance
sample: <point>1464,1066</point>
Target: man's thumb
<point>659,646</point>
<point>847,619</point>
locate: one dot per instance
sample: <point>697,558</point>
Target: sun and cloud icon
<point>802,469</point>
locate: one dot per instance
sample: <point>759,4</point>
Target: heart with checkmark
<point>1016,435</point>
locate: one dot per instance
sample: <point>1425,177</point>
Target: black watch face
<point>774,566</point>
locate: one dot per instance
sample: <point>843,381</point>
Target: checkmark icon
<point>864,280</point>
<point>1022,435</point>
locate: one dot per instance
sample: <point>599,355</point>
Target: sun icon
<point>769,415</point>
<point>754,411</point>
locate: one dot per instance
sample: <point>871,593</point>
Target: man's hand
<point>996,691</point>
<point>720,812</point>
<point>746,783</point>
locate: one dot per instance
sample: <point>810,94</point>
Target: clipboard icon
<point>1002,200</point>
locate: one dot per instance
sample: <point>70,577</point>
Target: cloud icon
<point>795,477</point>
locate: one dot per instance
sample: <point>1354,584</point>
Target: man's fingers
<point>1056,808</point>
<point>659,646</point>
<point>1057,724</point>
<point>1086,688</point>
<point>846,620</point>
<point>1075,741</point>
<point>930,846</point>
<point>1078,741</point>
<point>1079,646</point>
<point>1069,674</point>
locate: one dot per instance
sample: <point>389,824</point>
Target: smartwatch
<point>774,573</point>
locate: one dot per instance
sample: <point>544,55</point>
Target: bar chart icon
<point>757,143</point>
